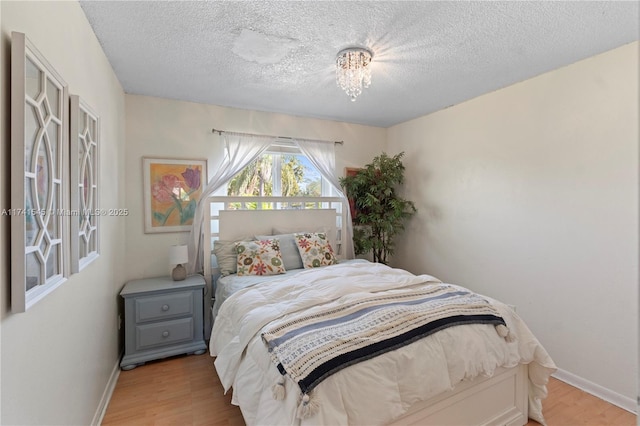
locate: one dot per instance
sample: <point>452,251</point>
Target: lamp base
<point>179,273</point>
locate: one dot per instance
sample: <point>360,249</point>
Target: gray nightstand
<point>162,318</point>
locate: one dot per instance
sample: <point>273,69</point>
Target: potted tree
<point>379,212</point>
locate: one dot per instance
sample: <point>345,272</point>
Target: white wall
<point>530,194</point>
<point>58,356</point>
<point>166,128</point>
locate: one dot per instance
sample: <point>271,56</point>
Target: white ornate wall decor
<point>84,139</point>
<point>39,173</point>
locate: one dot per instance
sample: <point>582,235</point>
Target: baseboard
<point>601,392</point>
<point>106,395</point>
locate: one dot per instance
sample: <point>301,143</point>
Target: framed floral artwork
<point>172,189</point>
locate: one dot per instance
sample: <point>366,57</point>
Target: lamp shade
<point>178,255</point>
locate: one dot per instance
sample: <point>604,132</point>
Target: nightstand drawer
<point>164,306</point>
<point>164,333</point>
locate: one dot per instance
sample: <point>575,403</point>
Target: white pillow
<point>226,256</point>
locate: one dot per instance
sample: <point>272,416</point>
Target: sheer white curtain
<point>240,150</point>
<point>323,156</point>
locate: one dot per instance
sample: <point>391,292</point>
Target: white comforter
<point>375,391</point>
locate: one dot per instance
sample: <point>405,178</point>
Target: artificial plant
<point>379,212</point>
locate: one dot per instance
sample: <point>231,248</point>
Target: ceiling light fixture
<point>353,70</point>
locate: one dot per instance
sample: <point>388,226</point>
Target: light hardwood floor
<point>185,390</point>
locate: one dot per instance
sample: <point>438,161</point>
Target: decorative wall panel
<point>39,172</point>
<point>85,214</point>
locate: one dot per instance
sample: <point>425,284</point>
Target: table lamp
<point>177,256</point>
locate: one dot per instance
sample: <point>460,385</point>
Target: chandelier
<point>353,70</point>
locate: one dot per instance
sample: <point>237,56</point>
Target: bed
<point>455,375</point>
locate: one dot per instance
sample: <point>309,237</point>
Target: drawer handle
<point>165,334</point>
<point>165,308</point>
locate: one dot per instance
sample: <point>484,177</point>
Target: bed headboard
<point>234,218</point>
<point>236,224</point>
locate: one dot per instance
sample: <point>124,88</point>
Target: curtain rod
<point>220,132</point>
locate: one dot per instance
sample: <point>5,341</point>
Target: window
<point>281,172</point>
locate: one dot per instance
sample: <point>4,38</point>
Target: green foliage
<point>292,174</point>
<point>256,178</point>
<point>313,188</point>
<point>380,212</point>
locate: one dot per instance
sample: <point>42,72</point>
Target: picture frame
<point>352,171</point>
<point>172,188</point>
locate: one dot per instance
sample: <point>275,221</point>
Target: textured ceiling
<point>279,56</point>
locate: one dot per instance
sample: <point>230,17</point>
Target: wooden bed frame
<point>501,399</point>
<point>498,400</point>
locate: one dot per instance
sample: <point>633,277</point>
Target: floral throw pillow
<point>261,257</point>
<point>315,249</point>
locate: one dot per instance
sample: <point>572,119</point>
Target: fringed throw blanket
<point>310,347</point>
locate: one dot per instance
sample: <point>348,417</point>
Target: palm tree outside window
<point>281,172</point>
